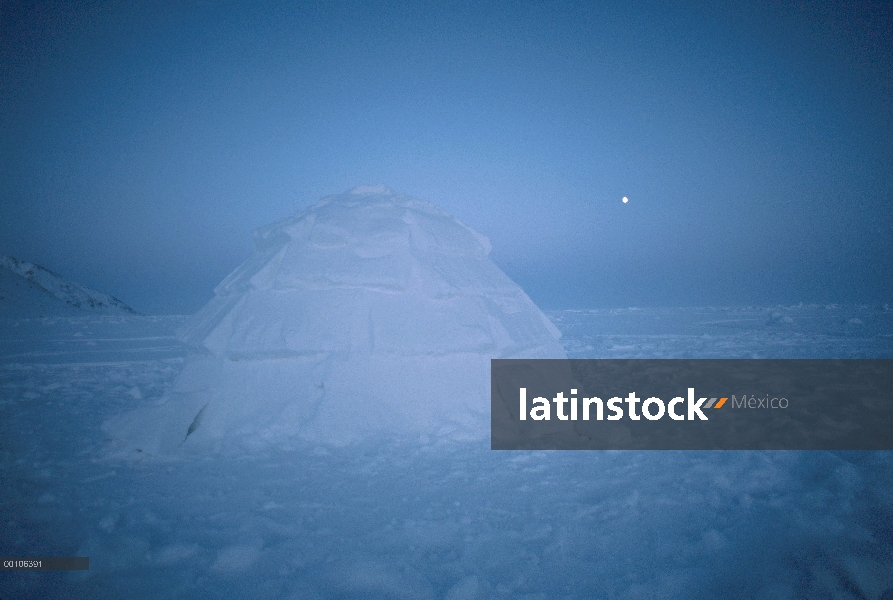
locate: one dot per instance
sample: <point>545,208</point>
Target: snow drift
<point>371,313</point>
<point>29,290</point>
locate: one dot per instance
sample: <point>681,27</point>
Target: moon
<point>625,199</point>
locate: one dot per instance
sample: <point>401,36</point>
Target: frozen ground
<point>412,520</point>
<point>779,332</point>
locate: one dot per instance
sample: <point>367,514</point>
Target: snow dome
<point>369,314</point>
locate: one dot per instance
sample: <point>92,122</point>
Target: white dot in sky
<point>625,199</point>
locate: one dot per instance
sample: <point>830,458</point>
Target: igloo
<point>369,314</point>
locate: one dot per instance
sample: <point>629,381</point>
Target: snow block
<point>369,314</point>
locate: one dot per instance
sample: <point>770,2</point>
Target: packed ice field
<point>424,519</point>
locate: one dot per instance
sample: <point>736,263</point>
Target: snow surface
<point>369,314</point>
<point>29,290</point>
<point>389,519</point>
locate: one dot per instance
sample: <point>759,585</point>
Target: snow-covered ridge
<point>75,294</point>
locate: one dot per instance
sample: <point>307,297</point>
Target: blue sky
<point>140,143</point>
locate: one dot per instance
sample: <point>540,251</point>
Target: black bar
<point>45,563</point>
